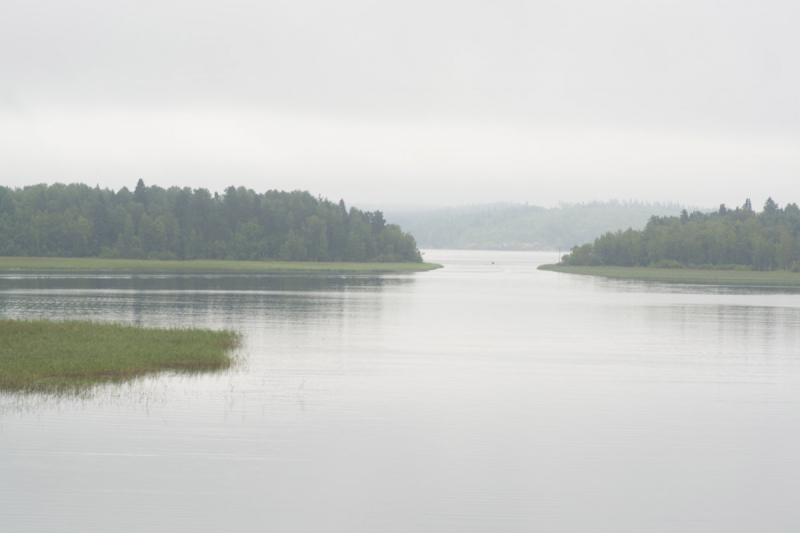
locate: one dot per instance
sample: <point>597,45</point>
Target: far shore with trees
<point>736,246</point>
<point>296,229</point>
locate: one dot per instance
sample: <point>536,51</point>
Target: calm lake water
<point>483,397</point>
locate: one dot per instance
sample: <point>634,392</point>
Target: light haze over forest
<point>407,102</point>
<point>524,227</point>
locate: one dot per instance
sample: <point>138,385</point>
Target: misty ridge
<point>512,226</point>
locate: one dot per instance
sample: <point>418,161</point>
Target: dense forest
<point>180,223</point>
<point>523,227</point>
<point>725,239</point>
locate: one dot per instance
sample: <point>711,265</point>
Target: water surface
<point>486,396</point>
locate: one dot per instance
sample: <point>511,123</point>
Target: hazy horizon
<point>424,104</point>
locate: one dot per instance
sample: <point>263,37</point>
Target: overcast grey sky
<point>407,102</point>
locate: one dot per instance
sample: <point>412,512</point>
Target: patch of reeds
<point>57,356</point>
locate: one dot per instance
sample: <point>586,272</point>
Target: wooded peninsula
<point>726,239</point>
<point>151,222</point>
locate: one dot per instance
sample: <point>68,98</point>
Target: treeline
<point>724,239</point>
<point>180,223</point>
<point>523,227</point>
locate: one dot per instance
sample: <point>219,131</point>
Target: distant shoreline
<point>743,278</point>
<point>499,248</point>
<point>100,264</point>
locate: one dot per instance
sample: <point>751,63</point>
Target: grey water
<point>485,396</point>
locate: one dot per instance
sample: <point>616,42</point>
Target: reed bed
<point>55,356</point>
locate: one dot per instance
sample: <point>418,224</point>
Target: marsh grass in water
<point>743,278</point>
<point>97,264</point>
<point>71,355</point>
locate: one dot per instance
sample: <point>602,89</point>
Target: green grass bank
<point>99,264</point>
<point>50,356</point>
<point>743,278</point>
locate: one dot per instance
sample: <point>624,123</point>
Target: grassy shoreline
<point>71,355</point>
<point>99,264</point>
<point>743,278</point>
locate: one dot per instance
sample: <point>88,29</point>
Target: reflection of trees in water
<point>244,282</point>
<point>616,285</point>
<point>729,338</point>
<point>197,300</point>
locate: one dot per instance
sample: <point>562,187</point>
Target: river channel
<point>486,396</point>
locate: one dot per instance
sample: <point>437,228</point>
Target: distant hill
<point>510,226</point>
